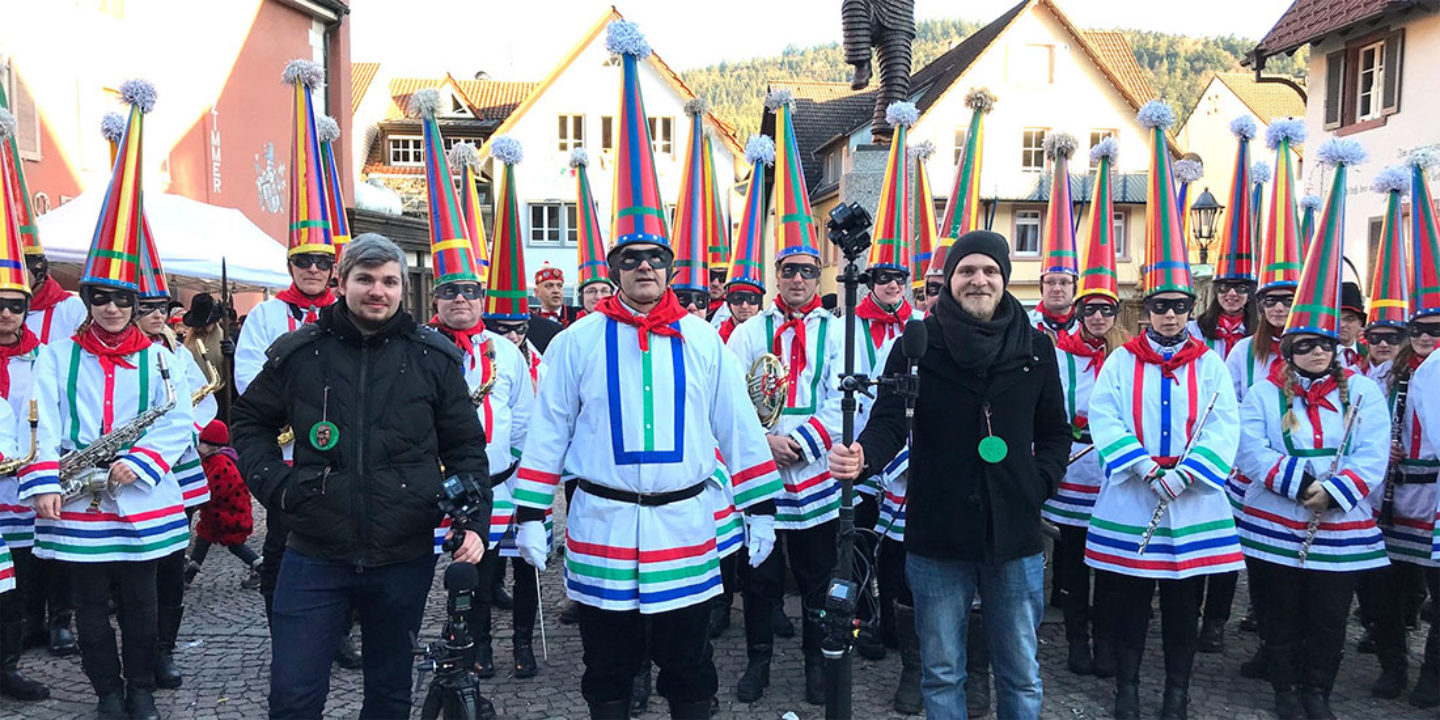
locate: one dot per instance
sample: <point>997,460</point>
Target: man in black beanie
<point>989,446</point>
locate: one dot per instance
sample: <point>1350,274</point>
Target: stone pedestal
<point>865,178</point>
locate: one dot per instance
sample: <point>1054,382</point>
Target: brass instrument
<point>480,393</point>
<point>86,470</point>
<point>768,383</point>
<point>286,436</point>
<point>8,467</point>
<point>214,381</point>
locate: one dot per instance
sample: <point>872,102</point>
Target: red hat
<point>215,433</point>
<point>548,272</point>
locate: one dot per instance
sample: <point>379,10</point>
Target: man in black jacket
<point>378,404</point>
<point>990,444</point>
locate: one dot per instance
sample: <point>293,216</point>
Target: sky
<point>522,40</point>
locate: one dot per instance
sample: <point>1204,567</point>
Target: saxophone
<point>8,467</point>
<point>215,382</point>
<point>768,383</point>
<point>87,470</point>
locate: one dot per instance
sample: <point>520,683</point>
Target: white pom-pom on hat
<point>140,93</point>
<point>1156,113</point>
<point>760,148</point>
<point>1188,171</point>
<point>507,150</point>
<point>1392,179</point>
<point>1059,145</point>
<point>902,113</point>
<point>326,129</point>
<point>1244,127</point>
<point>424,103</point>
<point>112,126</point>
<point>623,37</point>
<point>579,158</point>
<point>304,71</point>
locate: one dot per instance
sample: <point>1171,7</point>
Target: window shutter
<point>1394,66</point>
<point>1334,76</point>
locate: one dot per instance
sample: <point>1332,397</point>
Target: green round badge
<point>993,450</point>
<point>324,435</point>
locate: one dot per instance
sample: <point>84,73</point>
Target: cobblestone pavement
<point>224,652</point>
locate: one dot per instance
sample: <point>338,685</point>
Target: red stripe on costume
<point>16,509</point>
<point>1425,525</point>
<point>193,493</point>
<point>1194,393</point>
<point>539,476</point>
<point>153,456</point>
<point>1164,565</point>
<point>1305,524</point>
<point>679,553</point>
<point>1137,401</point>
<point>1072,487</point>
<point>824,436</point>
<point>804,485</point>
<point>112,517</point>
<point>7,573</point>
<point>605,551</point>
<point>1270,476</point>
<point>1361,487</point>
<point>722,514</point>
<point>749,474</point>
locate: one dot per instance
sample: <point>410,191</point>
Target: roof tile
<point>1309,20</point>
<point>1268,100</point>
<point>361,75</point>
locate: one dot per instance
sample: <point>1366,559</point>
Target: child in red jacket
<point>226,519</point>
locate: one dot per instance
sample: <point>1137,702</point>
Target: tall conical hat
<point>1186,172</point>
<point>506,297</point>
<point>591,248</point>
<point>922,222</point>
<point>1309,205</point>
<point>13,275</point>
<point>795,231</point>
<point>1316,308</point>
<point>1098,276</point>
<point>1424,234</point>
<point>890,247</point>
<point>153,283</point>
<point>699,226</point>
<point>114,258</point>
<point>962,209</point>
<point>1389,296</point>
<point>1167,261</point>
<point>310,229</point>
<point>747,259</point>
<point>639,213</point>
<point>464,156</point>
<point>15,178</point>
<point>1260,173</point>
<point>112,128</point>
<point>1280,251</point>
<point>329,131</point>
<point>451,249</point>
<point>1057,244</point>
<point>1236,260</point>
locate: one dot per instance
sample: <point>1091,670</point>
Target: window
<point>1371,81</point>
<point>959,144</point>
<point>607,134</point>
<point>407,150</point>
<point>831,171</point>
<point>1027,233</point>
<point>552,224</point>
<point>660,135</point>
<point>458,108</point>
<point>1032,149</point>
<point>1037,65</point>
<point>1362,82</point>
<point>1122,241</point>
<point>571,132</point>
<point>1096,136</point>
<point>19,101</point>
<point>1372,241</point>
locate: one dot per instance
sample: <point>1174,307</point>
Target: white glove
<point>759,537</point>
<point>530,540</point>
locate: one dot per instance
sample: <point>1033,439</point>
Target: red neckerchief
<point>1353,357</point>
<point>28,341</point>
<point>727,328</point>
<point>558,316</point>
<point>714,307</point>
<point>1058,321</point>
<point>111,348</point>
<point>1190,351</point>
<point>1074,343</point>
<point>48,295</point>
<point>1229,329</point>
<point>308,305</point>
<point>884,324</point>
<point>660,320</point>
<point>795,322</point>
<point>464,339</point>
<point>1314,396</point>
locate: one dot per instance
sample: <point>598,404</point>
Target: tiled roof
<point>1119,56</point>
<point>1279,98</point>
<point>491,100</point>
<point>361,75</point>
<point>935,78</point>
<point>822,111</point>
<point>1310,20</point>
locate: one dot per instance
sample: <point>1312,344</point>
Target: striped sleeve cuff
<point>814,440</point>
<point>534,488</point>
<point>1171,483</point>
<point>1204,465</point>
<point>755,484</point>
<point>1122,455</point>
<point>39,478</point>
<point>872,485</point>
<point>149,466</point>
<point>1285,477</point>
<point>1347,489</point>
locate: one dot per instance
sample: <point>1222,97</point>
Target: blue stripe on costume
<point>1160,546</point>
<point>814,447</point>
<point>1203,471</point>
<point>617,425</point>
<point>676,593</point>
<point>1298,536</point>
<point>136,533</point>
<point>1124,460</point>
<point>806,500</point>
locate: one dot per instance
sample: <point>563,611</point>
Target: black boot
<point>167,675</point>
<point>1077,637</point>
<point>814,678</point>
<point>695,710</point>
<point>499,597</point>
<point>62,638</point>
<point>759,647</point>
<point>609,710</point>
<point>570,615</point>
<point>1427,687</point>
<point>1287,703</point>
<point>783,627</point>
<point>1127,682</point>
<point>111,706</point>
<point>908,699</point>
<point>1104,653</point>
<point>867,643</point>
<point>140,704</point>
<point>12,683</point>
<point>346,656</point>
<point>1316,702</point>
<point>720,614</point>
<point>525,666</point>
<point>480,619</point>
<point>977,667</point>
<point>1175,703</point>
<point>1392,680</point>
<point>640,689</point>
<point>1257,667</point>
<point>1212,636</point>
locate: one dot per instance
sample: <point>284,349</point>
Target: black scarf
<point>336,318</point>
<point>984,347</point>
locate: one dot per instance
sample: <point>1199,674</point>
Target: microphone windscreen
<point>913,342</point>
<point>461,576</point>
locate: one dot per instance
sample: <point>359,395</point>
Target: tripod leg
<point>433,699</point>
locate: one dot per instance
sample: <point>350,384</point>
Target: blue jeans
<point>1013,596</point>
<point>313,601</point>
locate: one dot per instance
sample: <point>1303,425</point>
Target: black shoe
<point>783,627</point>
<point>571,614</point>
<point>1104,655</point>
<point>191,570</point>
<point>346,656</point>
<point>12,683</point>
<point>484,709</point>
<point>868,645</point>
<point>252,581</point>
<point>167,674</point>
<point>695,710</point>
<point>719,616</point>
<point>612,710</point>
<point>140,705</point>
<point>111,706</point>
<point>860,79</point>
<point>1256,668</point>
<point>1287,703</point>
<point>1366,646</point>
<point>640,690</point>
<point>814,680</point>
<point>1250,623</point>
<point>62,639</point>
<point>1127,702</point>
<point>1390,684</point>
<point>1079,660</point>
<point>756,676</point>
<point>1317,705</point>
<point>1212,637</point>
<point>501,599</point>
<point>525,660</point>
<point>1427,689</point>
<point>908,697</point>
<point>977,694</point>
<point>484,661</point>
<point>1175,703</point>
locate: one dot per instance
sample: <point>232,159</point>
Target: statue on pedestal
<point>887,26</point>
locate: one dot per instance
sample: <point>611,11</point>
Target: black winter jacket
<point>402,409</point>
<point>958,506</point>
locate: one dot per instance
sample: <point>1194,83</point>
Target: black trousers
<point>891,573</point>
<point>527,599</point>
<point>1129,597</point>
<point>242,551</point>
<point>867,513</point>
<point>1302,618</point>
<point>13,603</point>
<point>1072,586</point>
<point>1389,601</point>
<point>132,586</point>
<point>1218,595</point>
<point>170,575</point>
<point>617,643</point>
<point>49,590</point>
<point>812,557</point>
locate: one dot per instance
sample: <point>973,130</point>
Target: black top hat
<point>1351,298</point>
<point>203,311</point>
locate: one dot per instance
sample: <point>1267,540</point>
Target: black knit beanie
<point>984,242</point>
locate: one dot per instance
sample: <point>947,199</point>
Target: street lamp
<point>1203,213</point>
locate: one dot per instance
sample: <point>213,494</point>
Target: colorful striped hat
<point>747,259</point>
<point>1280,251</point>
<point>1316,309</point>
<point>1308,205</point>
<point>1057,245</point>
<point>13,275</point>
<point>962,209</point>
<point>310,229</point>
<point>329,131</point>
<point>1260,173</point>
<point>591,249</point>
<point>451,249</point>
<point>699,227</point>
<point>464,156</point>
<point>922,223</point>
<point>890,247</point>
<point>19,193</point>
<point>1389,296</point>
<point>1186,172</point>
<point>1167,261</point>
<point>1098,277</point>
<point>639,213</point>
<point>506,292</point>
<point>112,127</point>
<point>114,258</point>
<point>795,231</point>
<point>1425,234</point>
<point>1236,260</point>
<point>153,283</point>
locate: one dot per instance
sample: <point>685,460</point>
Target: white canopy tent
<point>192,237</point>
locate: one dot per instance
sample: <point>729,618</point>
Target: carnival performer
<point>550,291</point>
<point>1351,352</point>
<point>1058,272</point>
<point>745,282</point>
<point>593,284</point>
<point>1426,384</point>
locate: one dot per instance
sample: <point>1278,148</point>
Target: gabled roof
<point>361,75</point>
<point>1309,20</point>
<point>1276,97</point>
<point>488,100</point>
<point>1114,48</point>
<point>726,131</point>
<point>823,111</point>
<point>931,81</point>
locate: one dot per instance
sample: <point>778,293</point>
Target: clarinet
<point>1393,476</point>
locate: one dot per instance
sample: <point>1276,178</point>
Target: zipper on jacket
<point>363,527</point>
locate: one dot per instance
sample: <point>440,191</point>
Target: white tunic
<point>59,322</point>
<point>1245,371</point>
<point>1075,498</point>
<point>17,518</point>
<point>645,421</point>
<point>811,416</point>
<point>1425,394</point>
<point>8,448</point>
<point>189,472</point>
<point>1272,523</point>
<point>263,326</point>
<point>1413,538</point>
<point>146,519</point>
<point>870,360</point>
